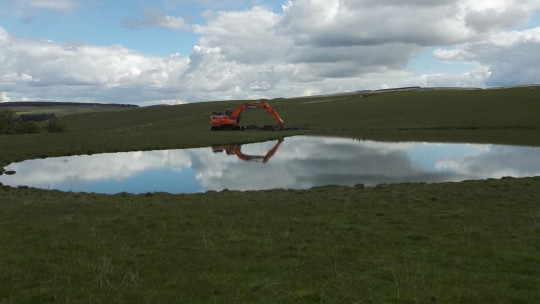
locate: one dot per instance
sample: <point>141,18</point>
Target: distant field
<point>59,109</point>
<point>468,242</point>
<point>63,110</point>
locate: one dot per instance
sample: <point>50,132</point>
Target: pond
<point>299,162</point>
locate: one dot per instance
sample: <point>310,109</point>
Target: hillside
<point>507,116</point>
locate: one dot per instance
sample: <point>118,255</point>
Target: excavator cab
<point>229,112</point>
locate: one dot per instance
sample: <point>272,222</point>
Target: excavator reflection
<point>237,150</point>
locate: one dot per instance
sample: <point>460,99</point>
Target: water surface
<point>299,162</point>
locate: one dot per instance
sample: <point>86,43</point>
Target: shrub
<point>26,127</point>
<point>6,121</point>
<point>35,117</point>
<point>53,126</point>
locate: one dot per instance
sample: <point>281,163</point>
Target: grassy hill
<point>497,115</point>
<point>468,242</point>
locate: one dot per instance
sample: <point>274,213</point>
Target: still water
<point>299,162</point>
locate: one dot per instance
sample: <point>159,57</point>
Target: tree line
<point>27,123</point>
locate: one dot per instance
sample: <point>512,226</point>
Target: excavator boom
<point>230,119</point>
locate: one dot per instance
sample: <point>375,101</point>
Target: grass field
<point>468,242</point>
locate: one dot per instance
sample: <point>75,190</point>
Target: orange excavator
<point>230,119</point>
<point>237,150</point>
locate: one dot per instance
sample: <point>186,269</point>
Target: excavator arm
<point>273,112</point>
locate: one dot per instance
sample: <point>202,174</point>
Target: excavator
<point>237,150</point>
<point>230,119</point>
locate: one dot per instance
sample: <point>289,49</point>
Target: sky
<point>181,51</point>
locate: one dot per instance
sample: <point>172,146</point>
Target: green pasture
<point>468,242</point>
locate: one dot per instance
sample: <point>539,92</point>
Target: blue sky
<point>100,23</point>
<point>178,51</point>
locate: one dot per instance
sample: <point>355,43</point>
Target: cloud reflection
<point>300,162</point>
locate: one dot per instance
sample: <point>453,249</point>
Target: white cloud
<point>4,97</point>
<point>163,102</point>
<point>49,70</point>
<point>245,36</point>
<point>58,64</point>
<point>369,22</point>
<point>27,10</point>
<point>4,36</point>
<point>511,57</point>
<point>353,23</point>
<point>156,18</point>
<point>48,4</point>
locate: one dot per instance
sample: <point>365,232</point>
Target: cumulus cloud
<point>156,18</point>
<point>310,47</point>
<point>246,36</point>
<point>48,4</point>
<point>511,57</point>
<point>4,97</point>
<point>368,22</point>
<point>46,69</point>
<point>353,23</point>
<point>27,10</point>
<point>345,43</point>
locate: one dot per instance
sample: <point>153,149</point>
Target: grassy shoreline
<point>467,242</point>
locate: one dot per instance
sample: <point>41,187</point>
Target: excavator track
<point>228,128</point>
